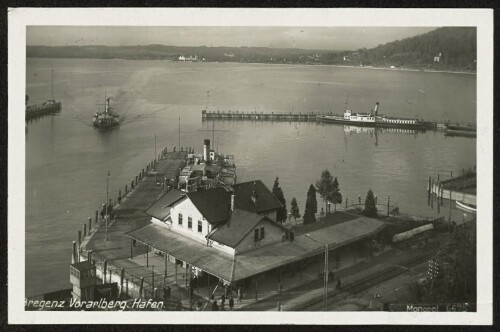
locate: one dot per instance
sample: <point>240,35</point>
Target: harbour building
<point>230,234</point>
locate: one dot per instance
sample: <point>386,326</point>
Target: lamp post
<point>107,202</point>
<point>388,202</point>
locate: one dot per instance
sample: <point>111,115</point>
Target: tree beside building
<point>278,192</point>
<point>370,205</point>
<point>325,187</point>
<point>336,197</point>
<point>294,209</point>
<point>311,206</point>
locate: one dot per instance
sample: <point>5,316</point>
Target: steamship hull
<point>379,124</point>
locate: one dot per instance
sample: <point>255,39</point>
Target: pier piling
<point>84,230</point>
<point>90,224</point>
<point>96,216</point>
<point>89,256</point>
<point>79,239</point>
<point>126,190</point>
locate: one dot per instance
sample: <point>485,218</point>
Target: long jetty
<point>103,242</point>
<point>281,116</point>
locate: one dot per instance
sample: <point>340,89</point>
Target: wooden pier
<point>262,116</point>
<point>104,243</point>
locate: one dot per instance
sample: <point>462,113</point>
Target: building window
<point>256,235</point>
<point>190,222</point>
<point>261,233</point>
<point>180,219</point>
<point>200,226</point>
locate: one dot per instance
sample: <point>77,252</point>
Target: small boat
<point>107,118</point>
<point>467,207</point>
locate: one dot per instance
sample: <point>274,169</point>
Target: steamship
<point>373,119</point>
<point>107,118</point>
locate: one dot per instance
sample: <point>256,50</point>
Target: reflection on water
<point>67,159</point>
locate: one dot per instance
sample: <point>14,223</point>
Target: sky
<point>324,38</point>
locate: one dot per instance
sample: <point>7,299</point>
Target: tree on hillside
<point>311,206</point>
<point>370,206</point>
<point>324,186</point>
<point>281,213</point>
<point>336,196</point>
<point>294,209</point>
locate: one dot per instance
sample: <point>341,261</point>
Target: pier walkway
<point>117,250</point>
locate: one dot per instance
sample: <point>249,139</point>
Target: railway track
<point>366,283</point>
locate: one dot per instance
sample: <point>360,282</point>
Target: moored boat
<point>373,119</point>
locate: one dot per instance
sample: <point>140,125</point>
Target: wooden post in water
<point>126,286</point>
<point>119,196</point>
<point>141,288</point>
<point>429,192</point>
<point>438,191</point>
<point>126,191</point>
<point>96,216</point>
<point>84,230</point>
<point>90,224</point>
<point>359,199</point>
<point>449,215</point>
<point>346,202</point>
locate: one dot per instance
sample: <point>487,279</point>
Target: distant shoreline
<point>449,71</point>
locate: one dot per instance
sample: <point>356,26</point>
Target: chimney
<point>206,149</point>
<point>254,197</point>
<point>375,110</point>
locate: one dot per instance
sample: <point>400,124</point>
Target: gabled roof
<point>213,204</point>
<point>234,230</point>
<point>266,201</point>
<point>161,208</point>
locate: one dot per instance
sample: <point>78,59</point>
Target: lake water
<point>67,159</point>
